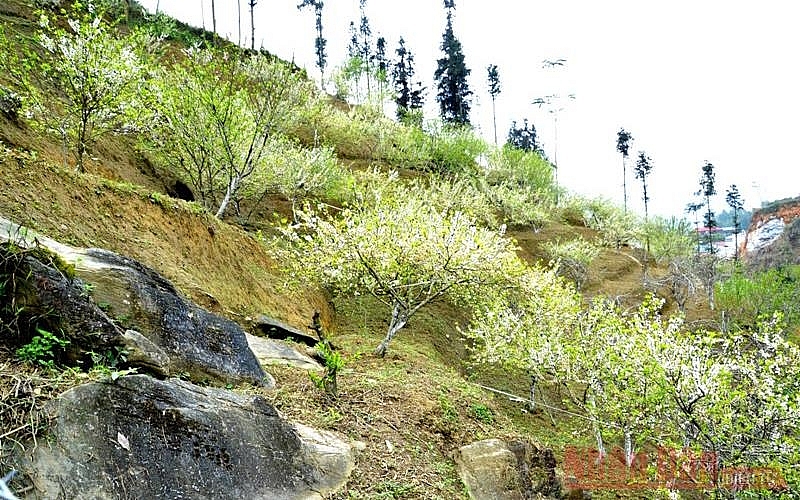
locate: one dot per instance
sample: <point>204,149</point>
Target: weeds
<point>42,349</point>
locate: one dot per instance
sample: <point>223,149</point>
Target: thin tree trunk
<point>532,393</point>
<point>399,319</point>
<point>624,186</point>
<point>203,13</point>
<point>158,4</point>
<point>494,120</point>
<point>232,187</point>
<point>628,448</point>
<point>252,26</point>
<point>239,10</point>
<point>213,17</point>
<point>601,450</point>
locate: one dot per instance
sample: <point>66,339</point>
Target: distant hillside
<point>773,236</point>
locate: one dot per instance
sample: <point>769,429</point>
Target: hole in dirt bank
<point>181,191</point>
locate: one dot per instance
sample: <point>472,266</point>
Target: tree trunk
<point>239,11</point>
<point>252,26</point>
<point>213,17</point>
<point>532,394</point>
<point>399,319</point>
<point>494,120</point>
<point>628,448</point>
<point>232,188</point>
<point>624,186</point>
<point>601,450</point>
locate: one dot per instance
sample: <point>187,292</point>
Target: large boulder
<point>116,302</point>
<point>146,438</point>
<point>516,470</point>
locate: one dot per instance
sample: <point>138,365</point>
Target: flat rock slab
<point>277,352</point>
<point>146,438</point>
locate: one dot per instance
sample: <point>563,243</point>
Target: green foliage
<point>42,349</point>
<point>219,117</point>
<point>334,363</point>
<point>408,94</point>
<point>403,251</point>
<point>526,326</point>
<point>482,413</point>
<point>616,226</point>
<point>10,104</point>
<point>520,183</point>
<point>451,78</point>
<point>572,258</point>
<point>100,77</point>
<point>670,239</point>
<point>746,299</point>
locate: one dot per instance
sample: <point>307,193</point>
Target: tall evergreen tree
<point>734,200</point>
<point>252,4</point>
<point>409,95</point>
<point>707,190</point>
<point>213,17</point>
<point>365,43</point>
<point>642,169</point>
<point>451,76</point>
<point>693,208</point>
<point>319,42</point>
<point>494,91</point>
<point>624,139</point>
<point>380,64</point>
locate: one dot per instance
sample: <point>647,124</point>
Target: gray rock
<point>145,438</point>
<point>496,470</point>
<point>278,352</point>
<point>172,336</point>
<point>275,329</point>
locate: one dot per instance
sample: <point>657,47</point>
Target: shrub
<point>10,104</point>
<point>572,258</point>
<point>670,239</point>
<point>745,299</point>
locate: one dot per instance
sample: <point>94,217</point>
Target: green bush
<point>744,299</point>
<point>616,226</point>
<point>42,348</point>
<point>670,239</point>
<point>572,258</point>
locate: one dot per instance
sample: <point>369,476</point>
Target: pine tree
<point>494,91</point>
<point>624,139</point>
<point>451,76</point>
<point>707,190</point>
<point>642,169</point>
<point>319,42</point>
<point>381,62</point>
<point>365,44</point>
<point>734,200</point>
<point>409,95</point>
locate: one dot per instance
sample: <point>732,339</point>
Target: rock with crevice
<point>494,469</point>
<point>147,438</point>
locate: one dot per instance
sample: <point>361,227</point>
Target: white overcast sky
<point>692,80</point>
